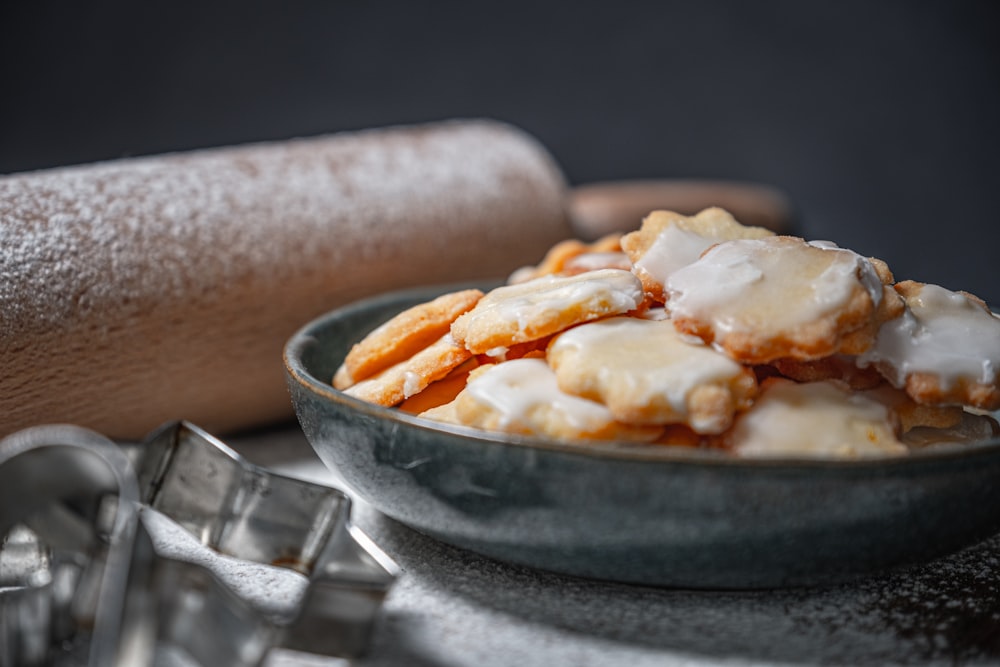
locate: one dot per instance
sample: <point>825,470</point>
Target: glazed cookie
<point>780,297</point>
<point>522,397</point>
<point>668,241</point>
<point>945,349</point>
<point>441,391</point>
<point>574,256</point>
<point>552,263</point>
<point>543,306</point>
<point>411,376</point>
<point>403,336</point>
<point>532,348</point>
<point>647,373</point>
<point>592,261</point>
<point>815,420</point>
<point>570,256</point>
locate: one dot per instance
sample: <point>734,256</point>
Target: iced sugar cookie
<point>816,420</point>
<point>781,297</point>
<point>574,256</point>
<point>668,241</point>
<point>647,373</point>
<point>440,391</point>
<point>522,397</point>
<point>592,261</point>
<point>543,306</point>
<point>945,349</point>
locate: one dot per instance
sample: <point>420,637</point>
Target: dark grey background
<point>877,118</point>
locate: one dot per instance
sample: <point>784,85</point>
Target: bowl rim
<point>600,449</point>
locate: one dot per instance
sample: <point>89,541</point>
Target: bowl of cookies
<point>696,403</point>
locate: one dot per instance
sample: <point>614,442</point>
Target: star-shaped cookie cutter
<point>78,565</point>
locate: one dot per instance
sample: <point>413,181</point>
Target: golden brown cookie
<point>647,373</point>
<point>440,391</point>
<point>972,427</point>
<point>679,435</point>
<point>444,413</point>
<point>527,311</point>
<point>781,297</point>
<point>592,261</point>
<point>945,349</point>
<point>813,420</point>
<point>668,241</point>
<point>522,397</point>
<point>574,256</point>
<point>411,376</point>
<point>841,367</point>
<point>912,414</point>
<point>532,348</point>
<point>403,336</point>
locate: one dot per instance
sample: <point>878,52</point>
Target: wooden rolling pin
<point>144,290</point>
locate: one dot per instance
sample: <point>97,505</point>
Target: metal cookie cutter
<point>80,567</point>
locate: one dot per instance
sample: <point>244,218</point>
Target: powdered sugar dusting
<point>168,228</point>
<point>267,235</point>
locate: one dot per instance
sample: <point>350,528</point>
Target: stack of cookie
<point>697,331</point>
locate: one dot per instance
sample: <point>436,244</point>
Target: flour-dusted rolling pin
<point>139,291</point>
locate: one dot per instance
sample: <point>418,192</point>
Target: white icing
<point>515,389</point>
<point>673,249</point>
<point>851,265</point>
<point>862,269</point>
<point>818,419</point>
<point>754,283</point>
<point>941,333</point>
<point>719,277</point>
<point>645,362</point>
<point>605,291</point>
<point>592,261</point>
<point>413,383</point>
<point>655,314</point>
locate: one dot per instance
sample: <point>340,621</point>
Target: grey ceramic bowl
<point>648,515</point>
